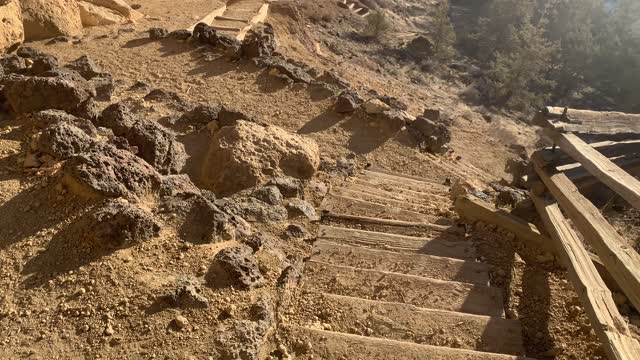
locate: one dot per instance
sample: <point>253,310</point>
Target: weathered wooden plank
<point>622,261</point>
<point>596,298</point>
<point>476,209</point>
<point>602,168</point>
<point>389,222</point>
<point>209,18</point>
<point>588,122</point>
<point>610,149</point>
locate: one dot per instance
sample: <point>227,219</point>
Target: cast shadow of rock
<point>67,250</point>
<point>17,224</point>
<point>322,122</point>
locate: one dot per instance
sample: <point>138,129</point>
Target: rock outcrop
<point>248,154</point>
<point>11,28</point>
<point>45,19</point>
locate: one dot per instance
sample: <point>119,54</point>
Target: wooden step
<point>226,28</point>
<point>409,289</point>
<point>423,208</point>
<point>435,267</point>
<point>392,226</point>
<point>409,323</point>
<point>328,345</point>
<point>353,206</point>
<point>386,174</point>
<point>446,245</point>
<point>383,187</point>
<point>402,184</point>
<point>227,18</point>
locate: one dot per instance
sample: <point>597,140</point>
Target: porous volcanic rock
<point>158,146</point>
<point>63,140</point>
<point>60,89</point>
<point>110,172</point>
<point>247,154</point>
<point>45,19</point>
<point>235,266</point>
<point>118,224</point>
<point>431,136</point>
<point>259,42</point>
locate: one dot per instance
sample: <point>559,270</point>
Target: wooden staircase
<point>390,278</point>
<point>236,17</point>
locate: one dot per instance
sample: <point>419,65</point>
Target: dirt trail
<point>394,296</point>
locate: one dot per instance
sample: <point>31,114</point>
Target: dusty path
<point>370,291</point>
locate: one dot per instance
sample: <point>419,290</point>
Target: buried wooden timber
<point>622,261</point>
<point>602,168</point>
<point>596,298</point>
<point>476,209</point>
<point>209,18</point>
<point>260,17</point>
<point>587,122</point>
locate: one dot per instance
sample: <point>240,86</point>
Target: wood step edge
<point>390,235</point>
<point>413,178</point>
<point>400,348</point>
<point>400,223</point>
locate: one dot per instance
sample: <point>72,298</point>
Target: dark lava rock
<point>432,137</point>
<point>246,339</point>
<point>180,34</point>
<point>235,266</point>
<point>301,208</point>
<point>291,71</point>
<point>65,90</point>
<point>269,194</point>
<point>348,101</point>
<point>13,64</point>
<point>157,146</point>
<point>228,116</point>
<point>342,166</point>
<point>169,97</point>
<point>85,67</point>
<point>420,47</point>
<point>63,140</point>
<point>259,42</point>
<point>188,293</point>
<point>117,117</point>
<point>158,33</point>
<point>48,118</point>
<point>394,103</point>
<point>104,85</point>
<point>201,115</point>
<point>295,231</point>
<point>120,224</point>
<point>255,210</point>
<point>256,241</point>
<point>174,185</point>
<point>110,172</point>
<point>395,119</point>
<point>43,63</point>
<point>289,187</point>
<point>88,110</point>
<point>29,52</point>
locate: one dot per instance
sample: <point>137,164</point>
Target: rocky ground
<point>158,191</point>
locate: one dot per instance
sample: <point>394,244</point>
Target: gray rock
<point>13,64</point>
<point>269,194</point>
<point>181,34</point>
<point>157,33</point>
<point>432,137</point>
<point>85,67</point>
<point>117,117</point>
<point>255,210</point>
<point>289,187</point>
<point>188,293</point>
<point>245,339</point>
<point>228,116</point>
<point>301,208</point>
<point>119,223</point>
<point>110,172</point>
<point>235,266</point>
<point>295,231</point>
<point>104,86</point>
<point>157,146</point>
<point>63,140</point>
<point>289,70</point>
<point>48,118</point>
<point>201,115</point>
<point>259,42</point>
<point>348,101</point>
<point>202,221</point>
<point>62,90</point>
<point>174,185</point>
<point>395,120</point>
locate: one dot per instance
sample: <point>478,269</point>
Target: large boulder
<point>45,19</point>
<point>117,6</point>
<point>431,136</point>
<point>63,140</point>
<point>93,15</point>
<point>11,28</point>
<point>120,224</point>
<point>259,42</point>
<point>248,154</point>
<point>62,90</point>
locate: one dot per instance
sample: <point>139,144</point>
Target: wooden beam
<point>610,149</point>
<point>596,298</point>
<point>588,122</point>
<point>622,261</point>
<point>210,17</point>
<point>476,209</point>
<point>602,168</point>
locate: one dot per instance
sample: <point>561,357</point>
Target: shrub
<point>378,25</point>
